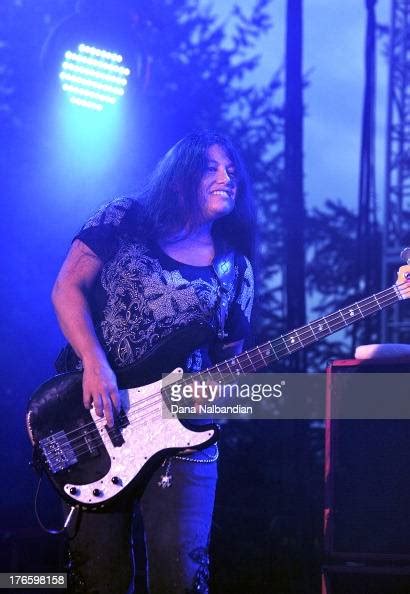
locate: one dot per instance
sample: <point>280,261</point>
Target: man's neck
<point>195,247</point>
<point>201,234</point>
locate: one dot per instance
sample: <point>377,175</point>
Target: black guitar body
<point>76,448</point>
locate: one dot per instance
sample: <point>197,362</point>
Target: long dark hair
<point>170,199</point>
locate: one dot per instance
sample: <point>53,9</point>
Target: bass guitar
<point>91,464</point>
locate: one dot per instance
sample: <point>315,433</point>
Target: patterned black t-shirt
<point>142,295</point>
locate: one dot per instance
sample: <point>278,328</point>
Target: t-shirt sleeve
<point>103,229</point>
<point>238,320</point>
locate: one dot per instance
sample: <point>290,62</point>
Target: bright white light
<point>97,63</point>
<point>85,103</point>
<point>95,74</point>
<point>94,51</point>
<point>87,93</point>
<point>90,83</point>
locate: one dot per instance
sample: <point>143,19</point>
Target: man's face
<point>217,189</point>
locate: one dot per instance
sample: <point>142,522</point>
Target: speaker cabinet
<point>367,490</point>
<point>367,484</point>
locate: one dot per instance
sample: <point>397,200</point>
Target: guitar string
<point>246,367</point>
<point>98,437</point>
<point>93,441</point>
<point>309,333</point>
<point>189,380</point>
<point>304,333</point>
<point>97,442</point>
<point>158,400</point>
<point>85,433</point>
<point>259,357</point>
<point>276,351</point>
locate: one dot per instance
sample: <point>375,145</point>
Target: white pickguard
<point>148,433</point>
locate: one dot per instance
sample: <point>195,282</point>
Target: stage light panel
<point>93,77</point>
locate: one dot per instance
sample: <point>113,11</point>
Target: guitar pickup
<point>58,451</point>
<point>120,422</point>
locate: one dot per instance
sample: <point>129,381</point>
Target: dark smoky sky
<point>334,38</point>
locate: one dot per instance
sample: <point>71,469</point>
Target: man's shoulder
<point>112,213</point>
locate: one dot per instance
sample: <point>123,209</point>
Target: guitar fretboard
<point>263,355</point>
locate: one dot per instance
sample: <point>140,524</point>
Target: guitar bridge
<point>57,451</point>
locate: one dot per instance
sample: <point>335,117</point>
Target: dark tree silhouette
<point>292,199</point>
<point>331,276</point>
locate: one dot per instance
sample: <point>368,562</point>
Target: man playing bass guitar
<point>141,270</point>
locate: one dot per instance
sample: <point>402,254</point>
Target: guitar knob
<point>97,493</point>
<point>73,491</point>
<point>116,480</point>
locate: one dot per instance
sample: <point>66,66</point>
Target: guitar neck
<point>292,342</point>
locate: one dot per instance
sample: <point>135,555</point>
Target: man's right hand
<point>100,389</point>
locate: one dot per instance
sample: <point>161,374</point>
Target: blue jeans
<point>177,523</point>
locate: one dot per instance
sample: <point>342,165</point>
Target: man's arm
<point>70,299</point>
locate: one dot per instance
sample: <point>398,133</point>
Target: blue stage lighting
<point>93,78</point>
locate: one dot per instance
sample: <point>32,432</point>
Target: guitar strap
<point>224,269</point>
